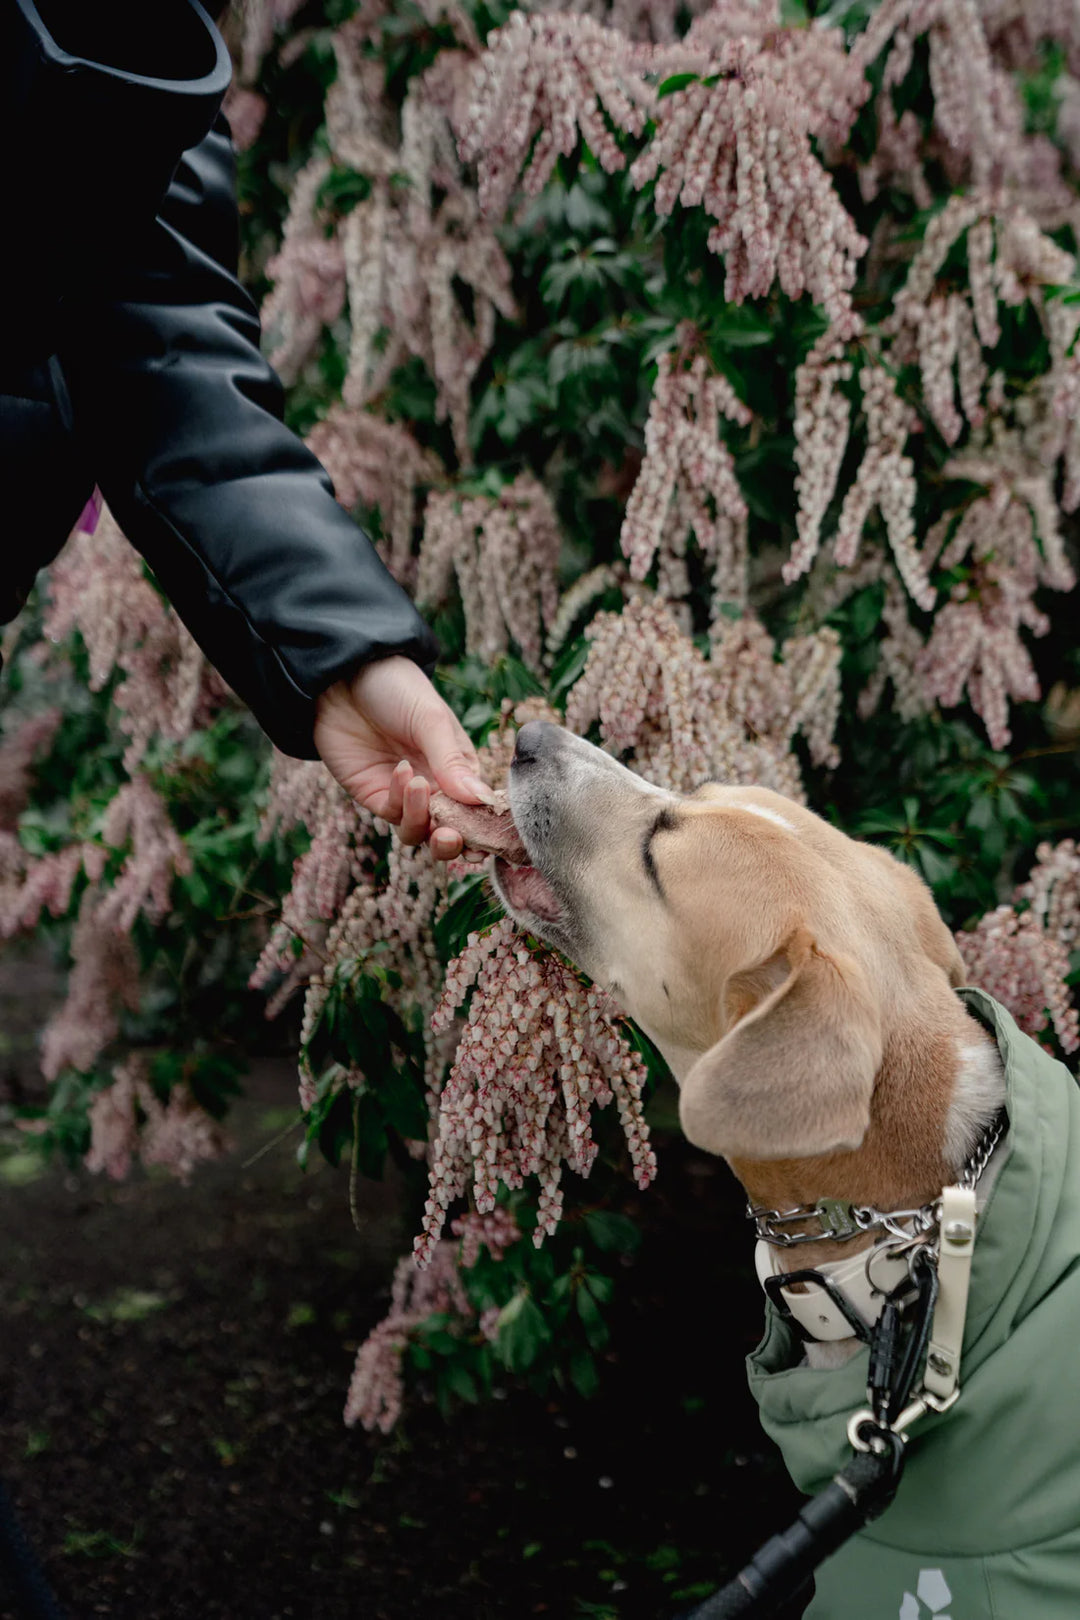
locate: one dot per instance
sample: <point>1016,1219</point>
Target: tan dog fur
<point>798,983</point>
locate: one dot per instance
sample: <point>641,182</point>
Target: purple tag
<point>91,512</point>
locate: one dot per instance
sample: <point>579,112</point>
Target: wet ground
<point>173,1364</point>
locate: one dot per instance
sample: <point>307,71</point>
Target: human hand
<point>388,738</point>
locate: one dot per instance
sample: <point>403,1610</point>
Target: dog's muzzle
<point>524,889</point>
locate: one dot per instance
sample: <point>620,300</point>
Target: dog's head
<point>767,955</point>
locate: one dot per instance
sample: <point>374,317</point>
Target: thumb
<point>451,759</point>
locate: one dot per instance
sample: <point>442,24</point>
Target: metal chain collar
<point>838,1221</point>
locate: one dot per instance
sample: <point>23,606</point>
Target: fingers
<point>416,796</point>
<point>408,807</point>
<point>445,844</point>
<point>394,808</point>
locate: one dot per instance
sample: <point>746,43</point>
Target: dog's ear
<point>794,1076</point>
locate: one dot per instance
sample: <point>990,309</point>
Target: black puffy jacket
<point>129,357</point>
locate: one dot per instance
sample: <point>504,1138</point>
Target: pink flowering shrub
<point>117,841</point>
<point>710,374</point>
<point>741,438</point>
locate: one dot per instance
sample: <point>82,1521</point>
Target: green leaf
<point>677,81</point>
<point>584,1373</point>
<point>460,1382</point>
<point>864,611</point>
<point>741,327</point>
<point>568,666</point>
<point>342,190</point>
<point>371,1141</point>
<point>612,1233</point>
<point>523,1333</point>
<point>400,1095</point>
<point>596,1329</point>
<point>936,868</point>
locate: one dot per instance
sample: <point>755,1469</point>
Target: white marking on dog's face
<point>763,810</point>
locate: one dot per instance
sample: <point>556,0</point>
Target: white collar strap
<point>862,1280</point>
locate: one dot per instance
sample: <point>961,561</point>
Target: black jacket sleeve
<point>181,420</point>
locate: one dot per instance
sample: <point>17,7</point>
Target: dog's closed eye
<point>666,821</point>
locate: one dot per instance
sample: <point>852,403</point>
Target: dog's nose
<point>535,739</point>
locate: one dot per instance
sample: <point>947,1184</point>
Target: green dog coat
<point>986,1523</point>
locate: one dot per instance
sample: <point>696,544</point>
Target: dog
<point>805,993</point>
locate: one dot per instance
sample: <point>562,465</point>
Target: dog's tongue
<point>489,828</point>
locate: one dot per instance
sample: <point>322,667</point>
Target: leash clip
<point>864,1419</point>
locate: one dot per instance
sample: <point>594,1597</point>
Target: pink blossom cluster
<point>885,479</point>
<point>685,720</point>
<point>642,20</point>
<point>540,80</point>
<point>495,1231</point>
<point>1011,542</point>
<point>390,923</point>
<point>104,975</point>
<point>304,794</point>
<point>103,981</point>
<point>1019,962</point>
<point>127,1121</point>
<point>408,248</point>
<point>504,552</point>
<point>1021,953</point>
<point>245,111</point>
<point>900,655</point>
<point>376,1389</point>
<point>380,464</point>
<point>977,115</point>
<point>536,1054</point>
<point>822,420</point>
<point>687,482</point>
<point>653,695</point>
<point>1052,891</point>
<point>251,31</point>
<point>775,693</point>
<point>1017,29</point>
<point>400,255</point>
<point>308,276</point>
<point>137,816</point>
<point>737,142</point>
<point>1010,259</point>
<point>977,135</point>
<point>578,598</point>
<point>975,645</point>
<point>31,885</point>
<point>20,745</point>
<point>99,587</point>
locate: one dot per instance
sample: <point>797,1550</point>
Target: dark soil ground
<point>173,1364</point>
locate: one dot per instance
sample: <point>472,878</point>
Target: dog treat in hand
<point>485,827</point>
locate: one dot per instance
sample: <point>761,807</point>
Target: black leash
<point>781,1568</point>
<point>21,1576</point>
<point>862,1490</point>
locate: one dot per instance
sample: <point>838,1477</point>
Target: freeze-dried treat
<point>485,827</point>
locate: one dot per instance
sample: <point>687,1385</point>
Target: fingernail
<point>478,789</point>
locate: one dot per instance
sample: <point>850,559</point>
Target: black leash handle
<point>784,1565</point>
<point>21,1576</point>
